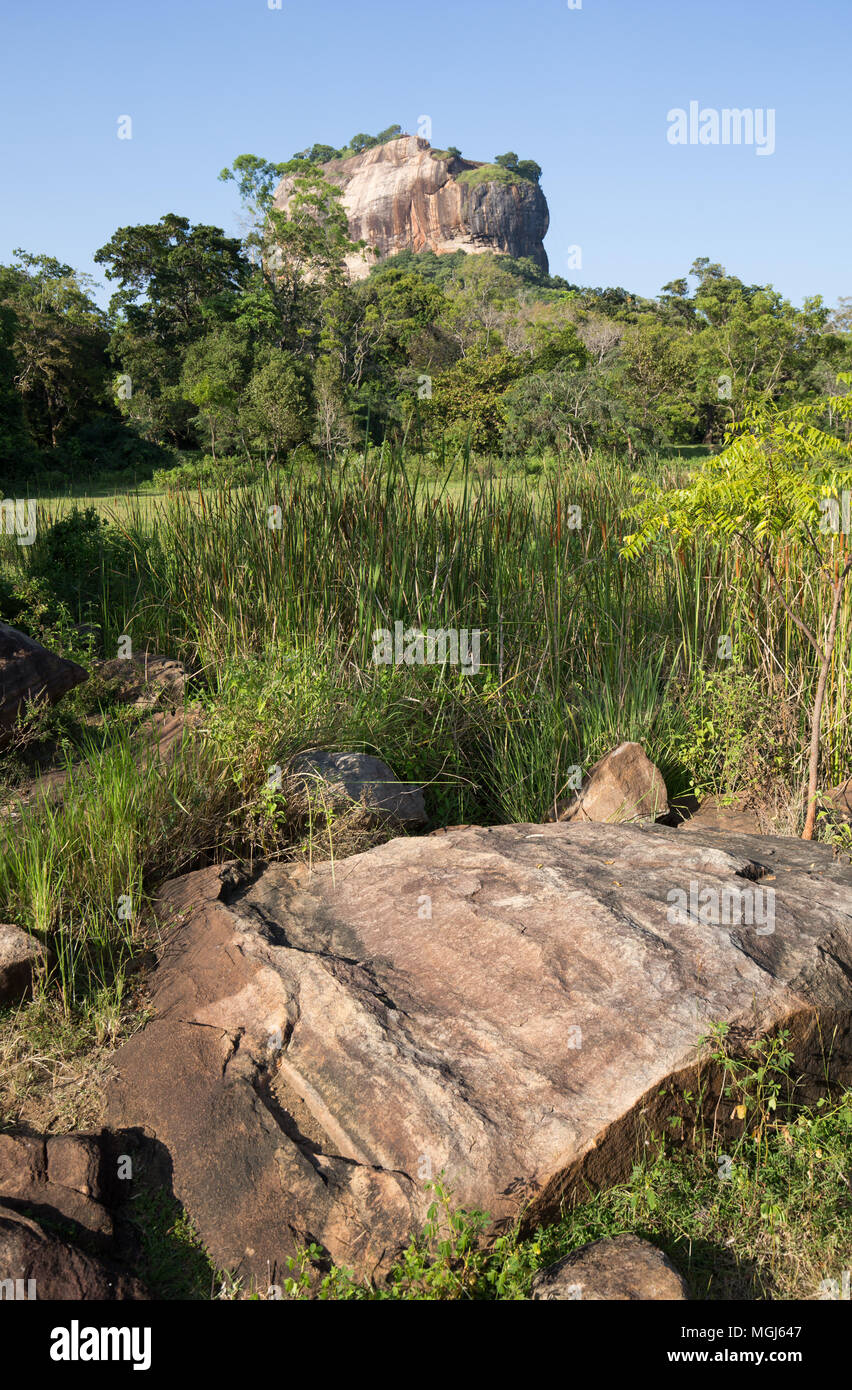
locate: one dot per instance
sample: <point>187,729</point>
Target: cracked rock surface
<point>515,1006</point>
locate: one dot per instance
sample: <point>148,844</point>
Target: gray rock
<point>145,680</point>
<point>623,1268</point>
<point>336,781</point>
<point>713,814</point>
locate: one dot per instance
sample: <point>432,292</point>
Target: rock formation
<point>335,782</point>
<point>402,196</point>
<point>58,1201</point>
<point>517,1007</point>
<point>29,672</point>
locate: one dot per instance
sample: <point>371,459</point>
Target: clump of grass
<point>54,1060</point>
<point>172,1260</point>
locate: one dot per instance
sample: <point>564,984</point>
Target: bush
<point>77,559</point>
<point>207,472</point>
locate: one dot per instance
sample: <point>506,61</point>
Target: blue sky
<point>584,91</point>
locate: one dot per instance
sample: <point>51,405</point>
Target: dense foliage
<point>251,348</point>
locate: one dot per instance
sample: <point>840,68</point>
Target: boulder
<point>20,956</point>
<point>57,1178</point>
<point>145,680</point>
<point>623,786</point>
<point>623,1268</point>
<point>28,671</point>
<point>715,814</point>
<point>838,802</point>
<point>22,1162</point>
<point>74,1160</point>
<point>516,1007</point>
<point>49,1268</point>
<point>337,781</point>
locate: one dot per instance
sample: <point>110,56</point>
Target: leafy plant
<point>782,474</point>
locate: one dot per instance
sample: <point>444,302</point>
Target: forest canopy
<point>257,346</point>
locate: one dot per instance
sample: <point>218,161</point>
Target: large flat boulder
<point>28,671</point>
<point>516,1006</point>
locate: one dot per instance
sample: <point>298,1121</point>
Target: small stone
<point>623,1268</point>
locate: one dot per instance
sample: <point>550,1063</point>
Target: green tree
<point>524,168</point>
<point>655,383</point>
<point>214,376</point>
<point>300,250</point>
<point>15,443</point>
<point>278,406</point>
<point>176,282</point>
<point>58,339</point>
<point>468,399</point>
<point>753,344</point>
<point>784,473</point>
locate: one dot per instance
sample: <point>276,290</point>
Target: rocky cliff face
<point>400,196</point>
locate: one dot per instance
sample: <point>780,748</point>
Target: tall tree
<point>58,339</point>
<point>176,282</point>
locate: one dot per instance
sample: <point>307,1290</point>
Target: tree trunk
<point>813,764</point>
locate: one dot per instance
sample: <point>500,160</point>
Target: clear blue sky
<point>584,91</point>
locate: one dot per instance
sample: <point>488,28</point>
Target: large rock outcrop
<point>516,1006</point>
<point>400,196</point>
